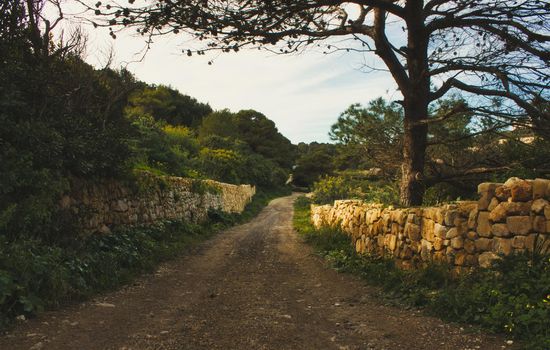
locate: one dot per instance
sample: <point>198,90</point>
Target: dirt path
<point>255,286</point>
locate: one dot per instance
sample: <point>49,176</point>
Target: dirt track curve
<point>255,286</point>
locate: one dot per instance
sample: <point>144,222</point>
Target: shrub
<point>345,186</point>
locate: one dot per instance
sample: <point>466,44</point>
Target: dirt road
<point>255,286</point>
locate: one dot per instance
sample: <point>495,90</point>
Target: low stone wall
<point>97,207</point>
<point>507,218</point>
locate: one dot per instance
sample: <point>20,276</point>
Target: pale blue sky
<point>303,94</point>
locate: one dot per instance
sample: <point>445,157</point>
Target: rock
<point>538,206</point>
<point>522,191</point>
<point>428,226</point>
<point>547,212</point>
<point>487,259</point>
<point>439,243</point>
<point>105,305</point>
<point>483,244</point>
<point>452,233</point>
<point>104,230</point>
<point>457,243</point>
<point>413,232</point>
<point>483,224</point>
<point>450,217</point>
<point>119,206</point>
<point>518,242</point>
<point>472,235</point>
<point>487,187</point>
<point>37,346</point>
<point>498,214</point>
<point>500,230</point>
<point>472,219</point>
<point>469,246</point>
<point>503,193</point>
<point>540,187</point>
<point>511,181</point>
<point>519,225</point>
<point>460,258</point>
<point>493,204</point>
<point>502,246</point>
<point>440,231</point>
<point>505,209</point>
<point>426,250</point>
<point>539,224</point>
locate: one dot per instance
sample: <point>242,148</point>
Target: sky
<point>303,94</point>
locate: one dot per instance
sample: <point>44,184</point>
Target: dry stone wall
<point>507,218</point>
<point>97,207</point>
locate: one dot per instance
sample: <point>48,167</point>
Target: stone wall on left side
<point>99,206</point>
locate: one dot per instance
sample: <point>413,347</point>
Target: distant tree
<point>314,160</point>
<point>486,48</point>
<point>167,104</point>
<point>261,134</point>
<point>375,133</point>
<point>461,151</point>
<point>220,123</point>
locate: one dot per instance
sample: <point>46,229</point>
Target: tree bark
<point>416,101</point>
<point>414,151</point>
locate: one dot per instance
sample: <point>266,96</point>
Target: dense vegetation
<point>461,153</point>
<point>511,298</point>
<point>62,119</point>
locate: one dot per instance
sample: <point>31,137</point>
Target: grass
<point>512,298</point>
<point>35,275</point>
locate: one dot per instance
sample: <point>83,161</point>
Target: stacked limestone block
<point>97,207</point>
<point>507,218</point>
<point>511,216</point>
<point>410,235</point>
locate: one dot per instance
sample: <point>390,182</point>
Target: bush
<point>346,186</point>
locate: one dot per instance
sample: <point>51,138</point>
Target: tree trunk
<point>414,152</point>
<point>416,101</point>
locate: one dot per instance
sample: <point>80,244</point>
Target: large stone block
<point>500,230</point>
<point>493,204</point>
<point>519,225</point>
<point>460,258</point>
<point>539,224</point>
<point>413,232</point>
<point>502,246</point>
<point>539,205</point>
<point>503,193</point>
<point>483,224</point>
<point>469,246</point>
<point>440,230</point>
<point>518,242</point>
<point>484,244</point>
<point>540,188</point>
<point>450,217</point>
<point>487,259</point>
<point>452,233</point>
<point>457,243</point>
<point>472,219</point>
<point>522,191</point>
<point>439,243</point>
<point>426,250</point>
